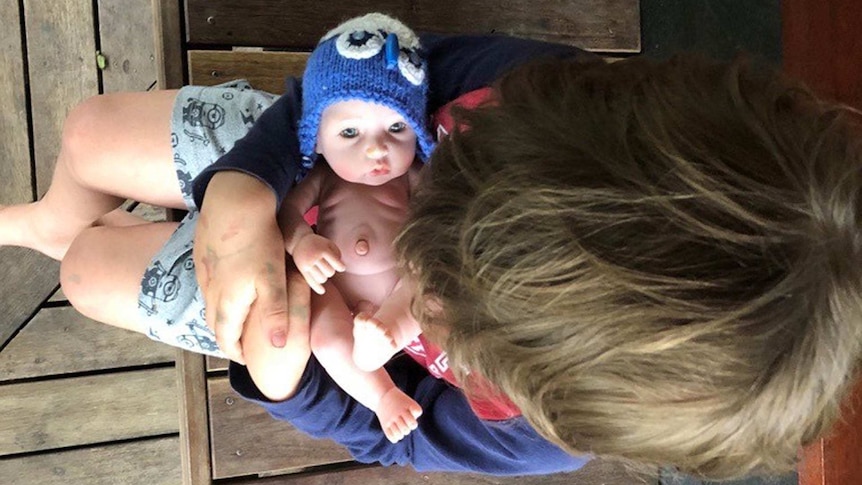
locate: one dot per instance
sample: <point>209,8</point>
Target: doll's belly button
<point>361,247</point>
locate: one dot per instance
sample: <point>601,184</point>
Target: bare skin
<point>117,147</point>
<point>362,194</point>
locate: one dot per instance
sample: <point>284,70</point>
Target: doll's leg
<point>114,147</point>
<point>377,338</point>
<point>101,274</point>
<point>332,344</point>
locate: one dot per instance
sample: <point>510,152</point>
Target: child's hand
<point>317,258</point>
<point>239,262</point>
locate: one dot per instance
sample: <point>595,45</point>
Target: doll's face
<point>365,143</point>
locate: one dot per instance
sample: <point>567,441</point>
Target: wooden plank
<point>149,462</point>
<point>215,364</point>
<point>263,70</point>
<point>28,279</point>
<point>246,440</point>
<point>127,41</point>
<point>15,186</point>
<point>85,410</point>
<point>818,38</point>
<point>837,459</point>
<point>61,52</point>
<point>596,472</point>
<point>600,25</point>
<point>60,341</point>
<point>58,296</point>
<point>194,421</point>
<point>169,56</point>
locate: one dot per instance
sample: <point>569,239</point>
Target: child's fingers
<point>228,320</point>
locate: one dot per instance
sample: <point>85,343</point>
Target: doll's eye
<point>397,127</point>
<point>349,133</point>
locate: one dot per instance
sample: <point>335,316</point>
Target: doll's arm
<point>316,257</point>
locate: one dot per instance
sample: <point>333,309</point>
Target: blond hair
<point>658,262</point>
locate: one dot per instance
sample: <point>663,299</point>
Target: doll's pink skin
<point>362,196</point>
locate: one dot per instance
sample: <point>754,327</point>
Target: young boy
<point>653,261</point>
<point>650,260</point>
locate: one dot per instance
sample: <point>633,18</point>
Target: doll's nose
<point>376,151</point>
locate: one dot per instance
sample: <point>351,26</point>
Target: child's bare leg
<point>377,338</point>
<point>101,274</point>
<point>332,343</point>
<point>114,147</point>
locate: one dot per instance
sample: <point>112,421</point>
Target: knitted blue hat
<point>372,58</point>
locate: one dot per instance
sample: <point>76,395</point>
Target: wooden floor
<point>80,402</point>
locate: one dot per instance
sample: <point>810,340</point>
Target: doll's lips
<point>377,172</point>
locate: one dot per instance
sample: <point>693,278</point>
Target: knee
<point>82,130</point>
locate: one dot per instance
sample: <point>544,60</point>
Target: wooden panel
<point>169,57</point>
<point>61,340</point>
<point>61,52</point>
<point>28,279</point>
<point>596,472</point>
<point>94,409</point>
<point>819,38</point>
<point>837,459</point>
<point>150,462</point>
<point>215,364</point>
<point>246,440</point>
<point>601,25</point>
<point>15,186</point>
<point>128,43</point>
<point>264,70</point>
<point>194,422</point>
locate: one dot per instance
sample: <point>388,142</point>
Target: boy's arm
<point>449,438</point>
<point>316,257</point>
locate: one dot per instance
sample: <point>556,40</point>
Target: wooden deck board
<point>15,186</point>
<point>62,73</point>
<point>131,63</point>
<point>60,413</point>
<point>28,279</point>
<point>236,428</point>
<point>594,473</point>
<point>149,462</point>
<point>60,341</point>
<point>601,25</point>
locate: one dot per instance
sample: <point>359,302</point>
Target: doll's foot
<point>398,414</point>
<point>373,343</point>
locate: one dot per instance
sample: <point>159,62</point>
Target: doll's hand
<point>317,258</point>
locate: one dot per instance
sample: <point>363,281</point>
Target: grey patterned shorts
<point>205,124</point>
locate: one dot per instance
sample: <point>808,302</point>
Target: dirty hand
<point>239,260</point>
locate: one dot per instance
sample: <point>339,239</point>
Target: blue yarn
<point>331,77</point>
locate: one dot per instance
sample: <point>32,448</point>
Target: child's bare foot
<point>28,225</point>
<point>373,343</point>
<point>398,414</point>
<point>21,225</point>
